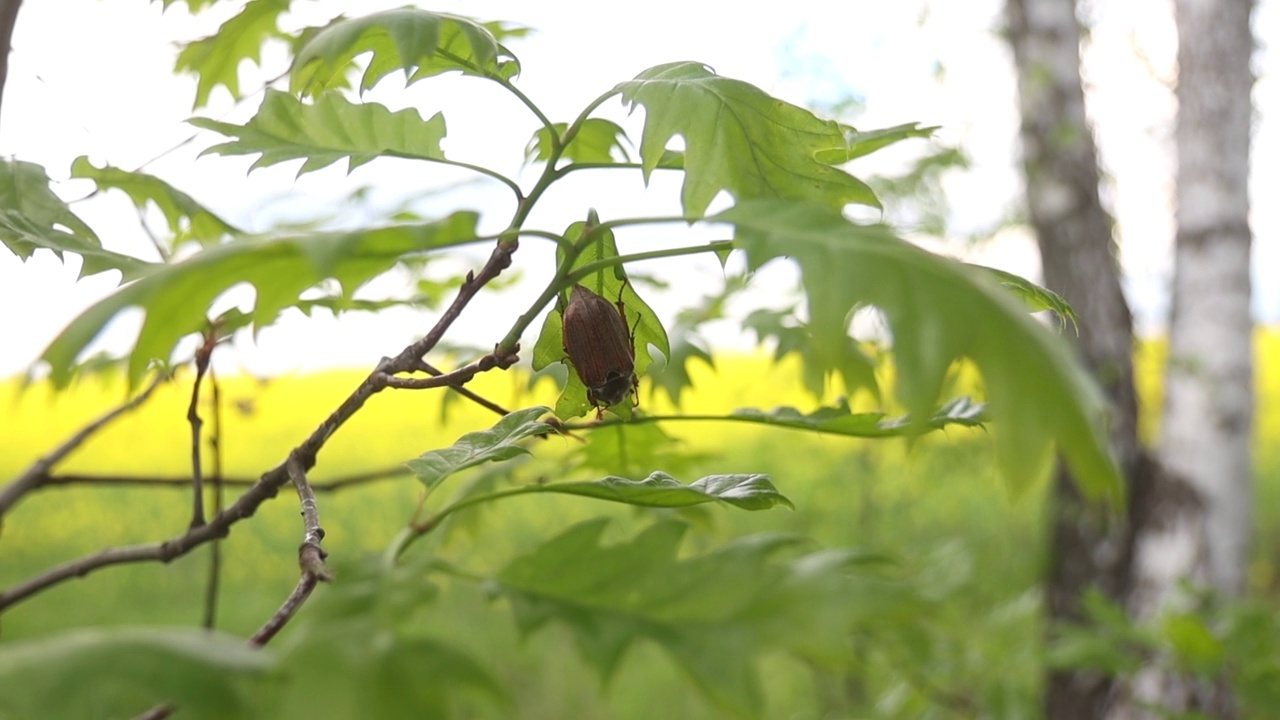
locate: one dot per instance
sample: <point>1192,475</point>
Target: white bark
<point>1208,412</point>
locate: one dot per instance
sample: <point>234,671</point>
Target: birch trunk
<point>1208,412</point>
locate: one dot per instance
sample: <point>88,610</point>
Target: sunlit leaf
<point>501,442</point>
<point>740,139</point>
<point>746,491</point>
<point>176,298</point>
<point>327,131</point>
<point>940,311</point>
<point>1037,298</point>
<point>186,217</point>
<point>595,142</point>
<point>120,672</point>
<point>858,143</point>
<point>32,218</point>
<point>215,60</point>
<point>419,42</point>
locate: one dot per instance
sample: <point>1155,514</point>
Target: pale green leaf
<point>175,298</point>
<point>419,42</point>
<point>745,491</point>
<point>32,218</point>
<point>858,143</point>
<point>595,142</point>
<point>501,442</point>
<point>940,311</point>
<point>739,139</point>
<point>327,131</point>
<point>1036,298</point>
<point>186,217</point>
<point>120,672</point>
<point>215,60</point>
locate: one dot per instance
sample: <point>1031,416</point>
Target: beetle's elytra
<point>601,348</point>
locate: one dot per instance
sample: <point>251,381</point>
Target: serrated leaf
<point>176,298</point>
<point>839,420</point>
<point>673,378</point>
<point>501,442</point>
<point>791,336</point>
<point>1036,298</point>
<point>739,139</point>
<point>215,60</point>
<point>940,311</point>
<point>746,491</point>
<point>327,131</point>
<point>594,142</point>
<point>419,42</point>
<point>186,217</point>
<point>32,218</point>
<point>119,672</point>
<point>713,613</point>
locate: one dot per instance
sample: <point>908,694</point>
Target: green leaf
<point>594,142</point>
<point>673,378</point>
<point>32,218</point>
<point>940,311</point>
<point>745,491</point>
<point>740,140</point>
<point>327,131</point>
<point>858,143</point>
<point>713,613</point>
<point>818,360</point>
<point>419,42</point>
<point>120,672</point>
<point>176,298</point>
<point>1036,298</point>
<point>215,60</point>
<point>611,284</point>
<point>187,218</point>
<point>501,442</point>
<point>840,421</point>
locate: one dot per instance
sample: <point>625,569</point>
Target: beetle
<point>601,348</point>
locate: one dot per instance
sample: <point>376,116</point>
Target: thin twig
<point>38,474</point>
<point>219,499</point>
<point>272,480</point>
<point>496,359</point>
<point>464,392</point>
<point>193,416</point>
<point>185,482</point>
<point>310,558</point>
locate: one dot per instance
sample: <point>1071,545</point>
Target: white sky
<point>94,77</point>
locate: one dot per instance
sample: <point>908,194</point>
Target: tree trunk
<point>1088,549</point>
<point>1208,411</point>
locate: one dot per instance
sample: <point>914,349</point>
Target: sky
<point>94,77</point>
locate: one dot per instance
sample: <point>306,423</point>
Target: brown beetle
<point>601,348</point>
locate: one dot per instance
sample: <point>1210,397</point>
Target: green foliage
<point>176,297</point>
<point>419,42</point>
<point>120,672</point>
<point>739,139</point>
<point>717,608</point>
<point>712,613</point>
<point>327,131</point>
<point>33,218</point>
<point>187,218</point>
<point>939,312</point>
<point>501,442</point>
<point>215,60</point>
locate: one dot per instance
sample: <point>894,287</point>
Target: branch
<point>8,18</point>
<point>38,474</point>
<point>183,482</point>
<point>310,558</point>
<point>193,416</point>
<point>304,454</point>
<point>464,392</point>
<point>219,500</point>
<point>464,374</point>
